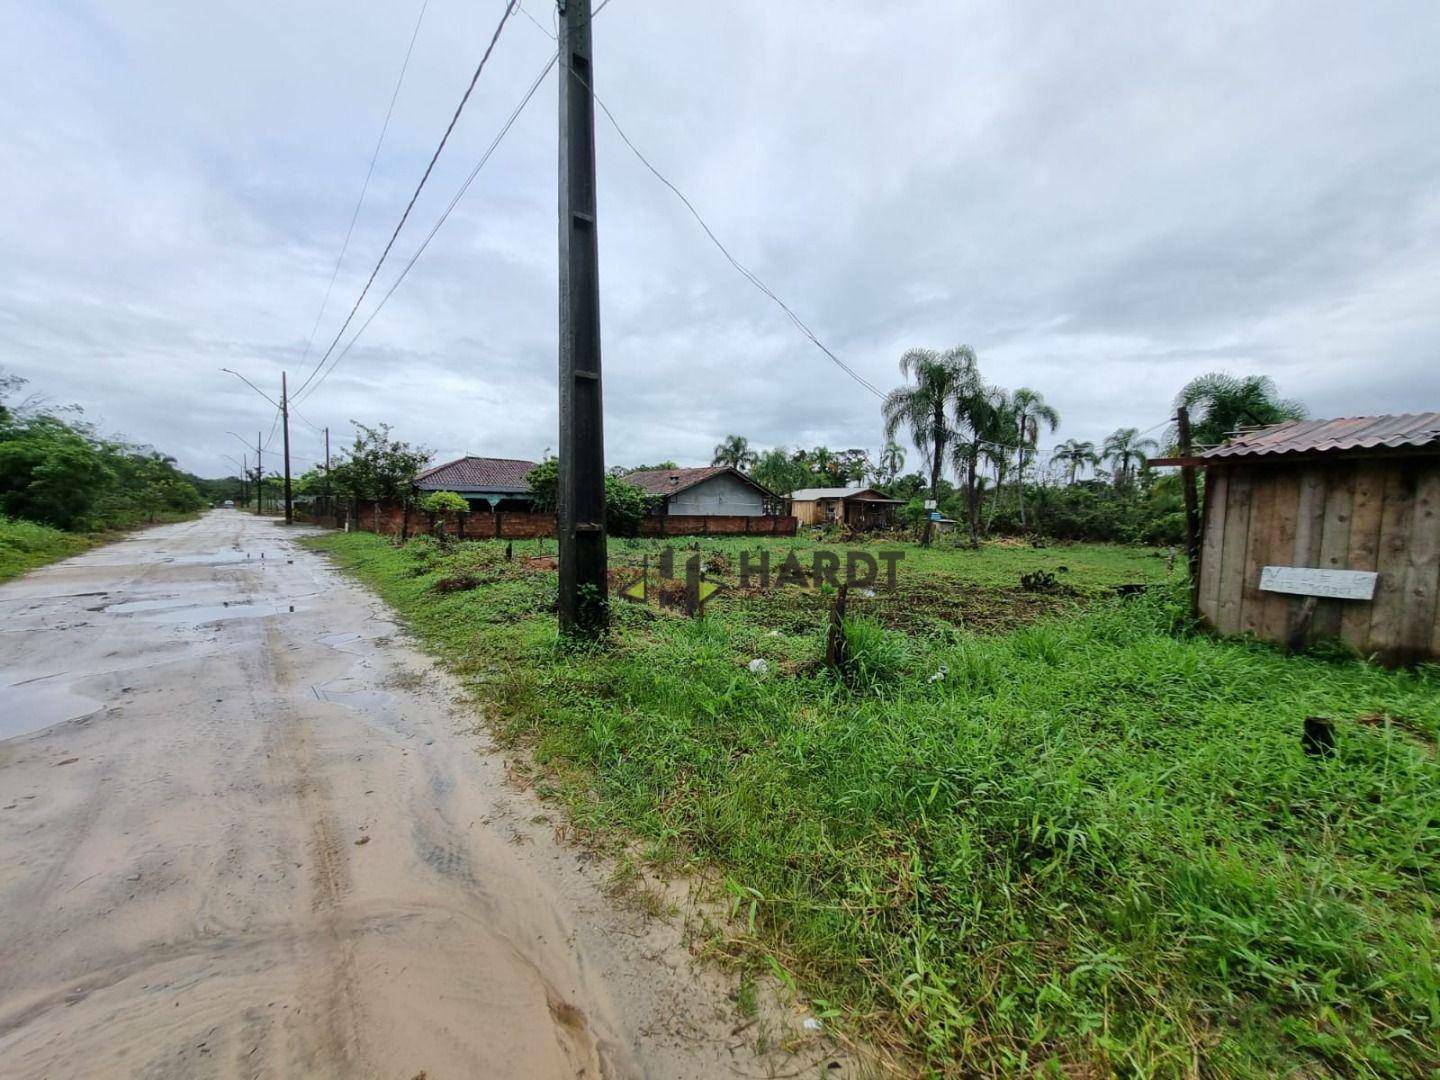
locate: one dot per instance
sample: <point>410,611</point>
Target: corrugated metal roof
<point>1333,436</point>
<point>500,475</point>
<point>811,494</point>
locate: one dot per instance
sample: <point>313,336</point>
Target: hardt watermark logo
<point>690,589</point>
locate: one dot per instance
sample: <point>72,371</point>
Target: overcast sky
<point>1102,199</point>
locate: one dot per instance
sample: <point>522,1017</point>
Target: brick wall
<point>521,525</point>
<point>717,525</point>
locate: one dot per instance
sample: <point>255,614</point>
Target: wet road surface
<point>246,831</point>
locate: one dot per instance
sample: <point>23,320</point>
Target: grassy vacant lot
<point>25,545</point>
<point>1095,846</point>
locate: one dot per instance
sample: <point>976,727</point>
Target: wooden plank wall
<point>1376,514</point>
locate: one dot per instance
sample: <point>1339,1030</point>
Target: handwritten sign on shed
<point>1312,581</point>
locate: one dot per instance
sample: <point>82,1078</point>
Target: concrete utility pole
<point>259,475</point>
<point>580,524</point>
<point>329,505</point>
<point>285,419</point>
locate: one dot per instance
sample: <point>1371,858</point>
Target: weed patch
<point>1084,841</point>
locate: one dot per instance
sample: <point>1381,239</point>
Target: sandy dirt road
<point>241,840</point>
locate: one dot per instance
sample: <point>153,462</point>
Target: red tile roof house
<point>486,483</point>
<point>709,491</point>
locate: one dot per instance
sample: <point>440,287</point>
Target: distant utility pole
<point>580,524</point>
<point>285,419</point>
<point>259,475</point>
<point>329,505</point>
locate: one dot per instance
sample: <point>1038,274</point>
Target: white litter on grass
<point>811,1024</point>
<point>759,666</point>
<point>773,633</point>
<point>939,676</point>
<point>869,594</point>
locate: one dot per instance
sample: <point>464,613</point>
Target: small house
<point>859,508</point>
<point>710,491</point>
<point>1317,529</point>
<point>488,484</point>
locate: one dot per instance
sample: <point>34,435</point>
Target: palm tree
<point>1221,403</point>
<point>943,380</point>
<point>892,460</point>
<point>985,432</point>
<point>1075,455</point>
<point>1125,449</point>
<point>734,451</point>
<point>1031,413</point>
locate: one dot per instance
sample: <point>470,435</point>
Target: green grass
<point>1094,846</point>
<point>25,545</point>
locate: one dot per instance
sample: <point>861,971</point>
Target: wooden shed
<point>1326,529</point>
<point>860,508</point>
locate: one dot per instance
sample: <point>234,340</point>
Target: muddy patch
<point>34,704</point>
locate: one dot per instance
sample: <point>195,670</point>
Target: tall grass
<point>25,545</point>
<point>1093,844</point>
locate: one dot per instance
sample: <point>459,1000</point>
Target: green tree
<point>626,504</point>
<point>734,451</point>
<point>984,434</point>
<point>1031,415</point>
<point>379,468</point>
<point>944,381</point>
<point>1220,404</point>
<point>1127,452</point>
<point>51,473</point>
<point>892,461</point>
<point>1075,455</point>
<point>777,470</point>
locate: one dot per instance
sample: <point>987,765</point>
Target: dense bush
<point>57,470</point>
<point>625,504</point>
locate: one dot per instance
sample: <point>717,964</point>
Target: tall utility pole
<point>580,511</point>
<point>285,419</point>
<point>259,475</point>
<point>329,504</point>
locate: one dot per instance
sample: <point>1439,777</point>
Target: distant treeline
<point>56,469</point>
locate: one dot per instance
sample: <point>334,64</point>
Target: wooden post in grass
<point>1192,510</point>
<point>835,639</point>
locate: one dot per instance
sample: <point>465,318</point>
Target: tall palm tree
<point>892,460</point>
<point>735,451</point>
<point>943,380</point>
<point>1126,451</point>
<point>1076,455</point>
<point>985,433</point>
<point>1031,413</point>
<point>1221,403</point>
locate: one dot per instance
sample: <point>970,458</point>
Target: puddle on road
<point>378,707</point>
<point>34,706</point>
<point>209,558</point>
<point>170,611</point>
<point>375,702</point>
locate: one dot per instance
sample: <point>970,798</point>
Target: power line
<point>744,271</point>
<point>454,119</point>
<point>364,187</point>
<point>454,201</point>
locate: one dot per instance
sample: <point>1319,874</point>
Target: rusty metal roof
<point>1350,433</point>
<point>497,475</point>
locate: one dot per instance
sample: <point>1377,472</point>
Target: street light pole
<point>580,509</point>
